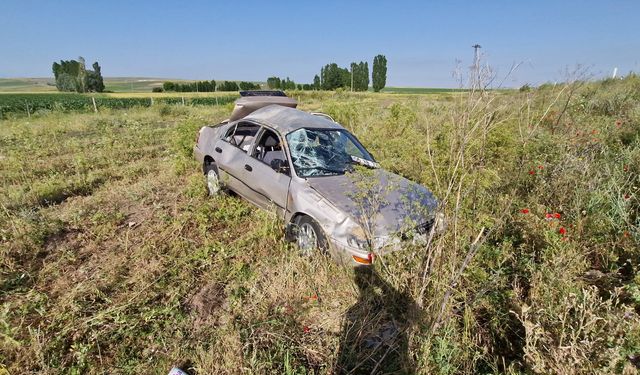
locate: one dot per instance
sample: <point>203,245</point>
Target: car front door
<point>271,186</point>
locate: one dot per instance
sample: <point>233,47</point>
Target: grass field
<point>27,85</point>
<point>419,90</point>
<point>114,260</point>
<point>25,104</point>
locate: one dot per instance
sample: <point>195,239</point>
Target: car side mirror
<point>280,166</point>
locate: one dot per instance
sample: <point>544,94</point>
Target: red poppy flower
<point>532,172</point>
<point>562,231</point>
<point>548,216</point>
<point>618,122</point>
<point>524,211</point>
<point>625,234</point>
<point>540,167</point>
<point>306,329</point>
<point>626,197</point>
<point>556,215</point>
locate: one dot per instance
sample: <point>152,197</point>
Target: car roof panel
<point>286,120</point>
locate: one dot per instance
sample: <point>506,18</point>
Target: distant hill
<point>115,84</point>
<point>27,84</point>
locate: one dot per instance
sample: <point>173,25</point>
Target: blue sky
<point>251,40</point>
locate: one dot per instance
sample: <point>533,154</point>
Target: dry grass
<point>115,261</point>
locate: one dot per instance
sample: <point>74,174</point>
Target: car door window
<point>242,135</point>
<point>268,147</point>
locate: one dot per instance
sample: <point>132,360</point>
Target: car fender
<point>207,138</point>
<point>336,225</point>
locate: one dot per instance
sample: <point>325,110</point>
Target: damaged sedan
<point>317,177</point>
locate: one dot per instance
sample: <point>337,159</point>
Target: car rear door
<point>231,156</point>
<point>271,187</point>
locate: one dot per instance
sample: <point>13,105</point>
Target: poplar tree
<point>379,75</point>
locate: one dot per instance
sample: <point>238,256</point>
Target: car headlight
<point>356,242</point>
<point>386,243</point>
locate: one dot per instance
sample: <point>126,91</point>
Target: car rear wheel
<point>310,237</point>
<point>212,179</point>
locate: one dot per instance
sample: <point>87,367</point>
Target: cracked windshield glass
<point>326,152</point>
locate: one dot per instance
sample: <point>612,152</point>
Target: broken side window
<point>241,135</point>
<point>268,147</point>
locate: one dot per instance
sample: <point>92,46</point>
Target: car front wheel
<point>310,237</point>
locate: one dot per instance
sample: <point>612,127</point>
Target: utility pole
<point>476,66</point>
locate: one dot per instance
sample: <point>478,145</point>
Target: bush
<point>525,88</point>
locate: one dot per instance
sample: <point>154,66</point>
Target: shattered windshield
<point>326,152</point>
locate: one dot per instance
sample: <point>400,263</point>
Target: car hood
<point>382,202</point>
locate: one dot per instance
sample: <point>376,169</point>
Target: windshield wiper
<point>365,162</point>
<point>336,171</point>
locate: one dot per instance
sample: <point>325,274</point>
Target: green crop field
<point>114,259</point>
<point>21,104</point>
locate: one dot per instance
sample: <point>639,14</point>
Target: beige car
<point>317,177</point>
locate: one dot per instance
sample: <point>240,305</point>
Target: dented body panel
<point>371,211</point>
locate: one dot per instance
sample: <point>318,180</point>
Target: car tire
<point>310,237</point>
<point>212,179</point>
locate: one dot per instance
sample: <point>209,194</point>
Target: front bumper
<point>349,254</point>
<point>387,244</point>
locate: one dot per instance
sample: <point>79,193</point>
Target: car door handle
<point>218,150</point>
<point>248,167</point>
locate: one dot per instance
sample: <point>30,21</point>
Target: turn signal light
<point>367,260</point>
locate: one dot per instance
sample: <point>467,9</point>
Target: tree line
<point>197,86</point>
<point>333,77</point>
<point>281,83</point>
<point>357,78</point>
<point>72,75</point>
<point>277,83</point>
<point>207,86</point>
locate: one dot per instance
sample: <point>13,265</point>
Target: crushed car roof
<point>286,120</point>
